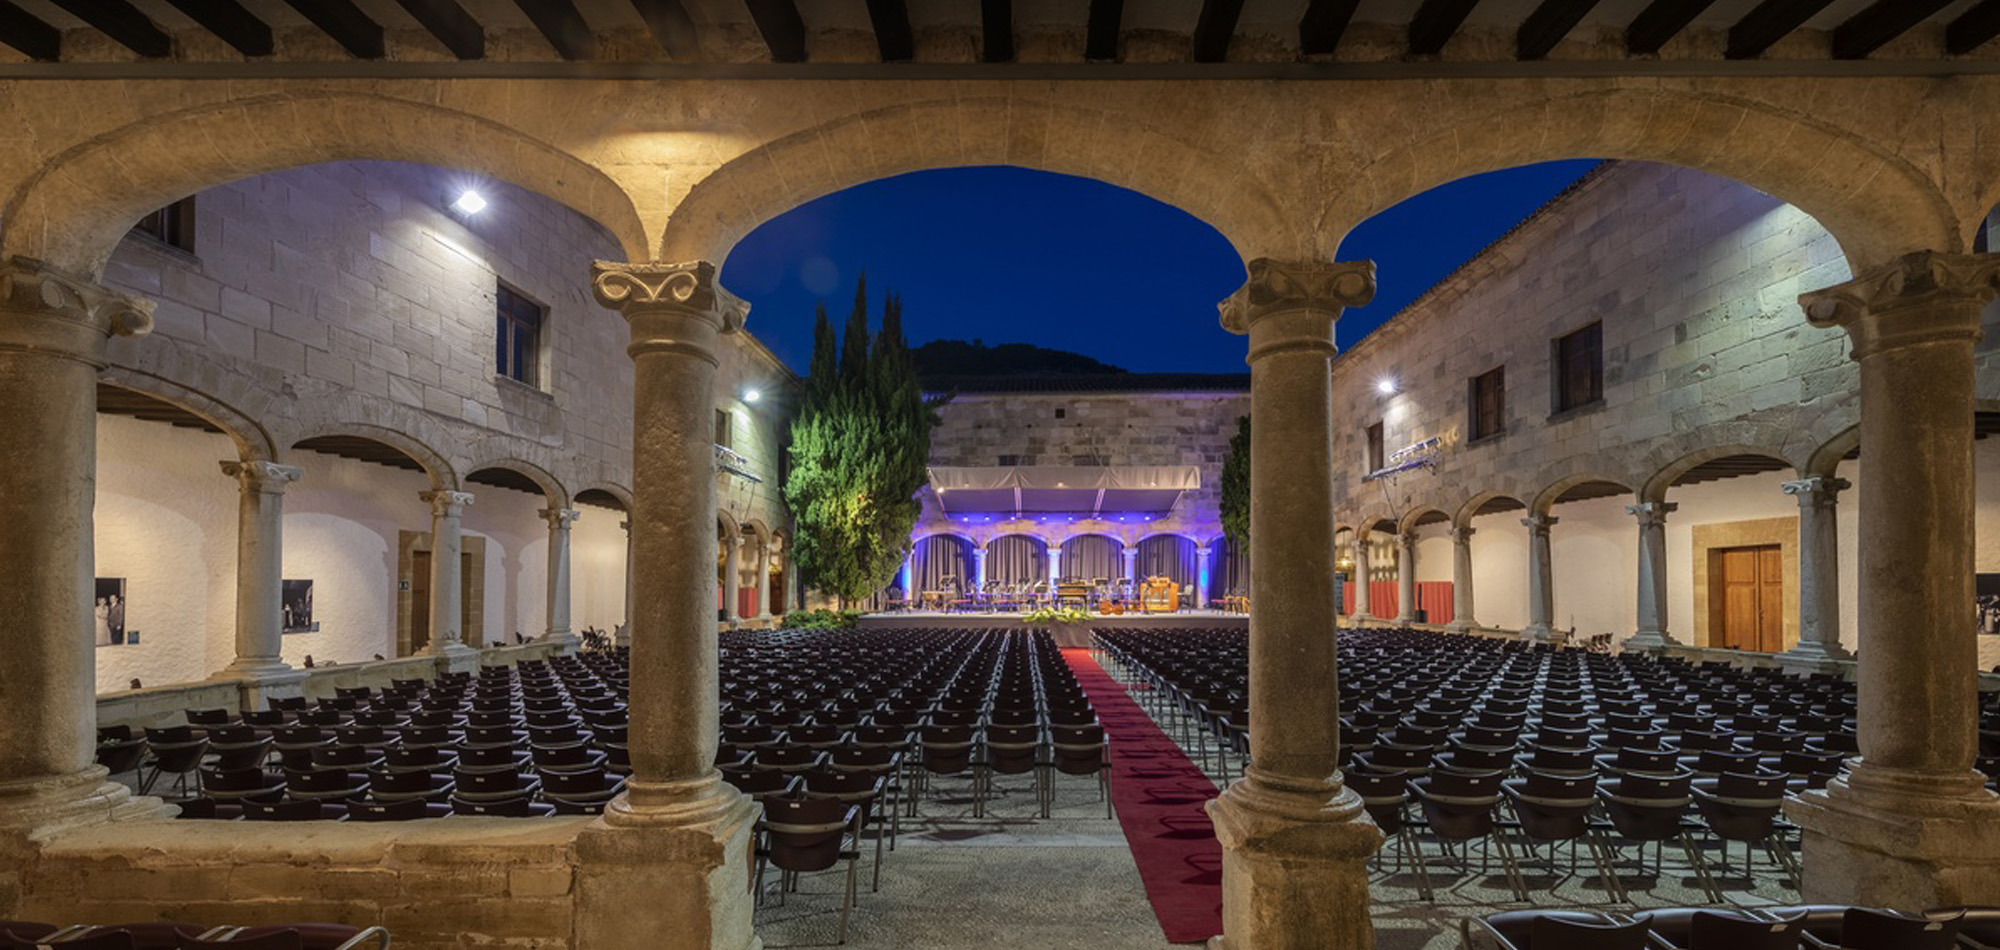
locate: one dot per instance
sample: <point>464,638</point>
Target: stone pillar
<point>1406,578</point>
<point>53,335</point>
<point>1819,570</point>
<point>259,669</point>
<point>732,576</point>
<point>447,603</point>
<point>763,577</point>
<point>979,567</point>
<point>1055,564</point>
<point>1911,824</point>
<point>1652,633</point>
<point>666,867</point>
<point>1362,612</point>
<point>1294,837</point>
<point>1201,556</point>
<point>623,632</point>
<point>560,520</point>
<point>1461,581</point>
<point>1131,553</point>
<point>1541,585</point>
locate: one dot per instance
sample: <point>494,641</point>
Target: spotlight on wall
<point>1386,386</point>
<point>752,395</point>
<point>469,202</point>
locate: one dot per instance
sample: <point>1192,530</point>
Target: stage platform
<point>911,619</point>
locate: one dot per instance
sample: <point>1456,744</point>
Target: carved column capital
<point>1819,491</point>
<point>1276,286</point>
<point>688,285</point>
<point>46,311</point>
<point>1921,297</point>
<point>560,519</point>
<point>1407,540</point>
<point>1651,513</point>
<point>1462,535</point>
<point>1539,524</point>
<point>447,504</point>
<point>257,476</point>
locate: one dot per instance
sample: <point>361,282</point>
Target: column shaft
<point>1406,577</point>
<point>53,333</point>
<point>560,520</point>
<point>1461,580</point>
<point>447,591</point>
<point>732,577</point>
<point>1541,586</point>
<point>761,581</point>
<point>1201,561</point>
<point>1819,569</point>
<point>1652,607</point>
<point>1362,571</point>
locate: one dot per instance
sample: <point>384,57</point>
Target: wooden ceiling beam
<point>996,31</point>
<point>1323,25</point>
<point>562,24</point>
<point>230,23</point>
<point>1880,22</point>
<point>342,20</point>
<point>456,29</point>
<point>1767,23</point>
<point>1100,44</point>
<point>1434,23</point>
<point>891,19</point>
<point>1662,20</point>
<point>1214,28</point>
<point>123,22</point>
<point>1973,28</point>
<point>27,33</point>
<point>1544,28</point>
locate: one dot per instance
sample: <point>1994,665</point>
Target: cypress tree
<point>1236,490</point>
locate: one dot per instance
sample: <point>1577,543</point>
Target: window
<point>172,225</point>
<point>1486,397</point>
<point>519,337</point>
<point>722,433</point>
<point>1376,460</point>
<point>1579,368</point>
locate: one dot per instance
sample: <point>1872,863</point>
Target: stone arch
<point>1191,539</point>
<point>960,535</point>
<point>1547,498</point>
<point>1827,458</point>
<point>1041,133</point>
<point>443,476</point>
<point>1878,206</point>
<point>618,493</point>
<point>552,487</point>
<point>73,210</point>
<point>1408,522</point>
<point>253,442</point>
<point>1462,518</point>
<point>1655,487</point>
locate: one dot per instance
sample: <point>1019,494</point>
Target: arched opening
<point>1097,559</point>
<point>1017,561</point>
<point>941,568</point>
<point>1229,573</point>
<point>1499,552</point>
<point>1593,569</point>
<point>1173,557</point>
<point>1733,549</point>
<point>600,559</point>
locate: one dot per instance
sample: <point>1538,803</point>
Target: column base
<point>42,805</point>
<point>258,684</point>
<point>1808,653</point>
<point>563,641</point>
<point>1885,837</point>
<point>1537,632</point>
<point>669,867</point>
<point>1649,641</point>
<point>455,657</point>
<point>1461,626</point>
<point>1294,865</point>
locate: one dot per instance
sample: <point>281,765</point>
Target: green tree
<point>860,447</point>
<point>1236,489</point>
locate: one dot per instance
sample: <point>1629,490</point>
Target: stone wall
<point>1095,428</point>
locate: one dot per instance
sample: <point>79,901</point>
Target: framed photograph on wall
<point>297,597</point>
<point>109,609</point>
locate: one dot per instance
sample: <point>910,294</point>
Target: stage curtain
<point>1170,556</point>
<point>1228,570</point>
<point>938,557</point>
<point>1091,556</point>
<point>1016,559</point>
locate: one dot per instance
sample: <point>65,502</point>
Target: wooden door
<point>1747,596</point>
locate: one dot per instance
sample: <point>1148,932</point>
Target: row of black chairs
<point>158,935</point>
<point>1808,927</point>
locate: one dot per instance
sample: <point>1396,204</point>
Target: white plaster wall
<point>517,560</point>
<point>1500,570</point>
<point>1434,552</point>
<point>166,522</point>
<point>343,521</point>
<point>597,570</point>
<point>1594,550</point>
<point>1746,498</point>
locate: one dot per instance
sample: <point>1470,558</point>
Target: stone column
<point>1362,612</point>
<point>53,335</point>
<point>1201,556</point>
<point>1461,581</point>
<point>1131,553</point>
<point>1294,837</point>
<point>259,669</point>
<point>979,567</point>
<point>447,603</point>
<point>1406,578</point>
<point>732,576</point>
<point>623,632</point>
<point>560,520</point>
<point>1541,586</point>
<point>1911,824</point>
<point>763,577</point>
<point>667,865</point>
<point>1055,564</point>
<point>1652,633</point>
<point>1819,570</point>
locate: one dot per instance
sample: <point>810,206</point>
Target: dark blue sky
<point>1010,255</point>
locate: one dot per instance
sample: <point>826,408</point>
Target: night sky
<point>1010,255</point>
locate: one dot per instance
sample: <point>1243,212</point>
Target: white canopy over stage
<point>1106,491</point>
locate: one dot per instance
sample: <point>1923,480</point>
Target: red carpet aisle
<point>1159,795</point>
